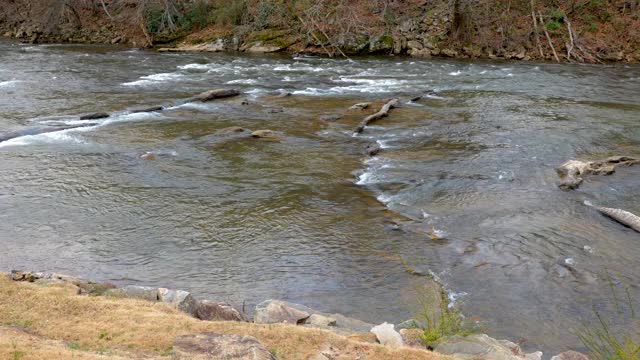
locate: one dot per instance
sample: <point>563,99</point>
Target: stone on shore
<point>387,335</point>
<point>218,311</point>
<point>413,338</point>
<point>179,299</point>
<point>481,346</point>
<point>570,355</point>
<point>320,321</point>
<point>217,346</point>
<point>93,116</point>
<point>134,292</point>
<point>276,311</point>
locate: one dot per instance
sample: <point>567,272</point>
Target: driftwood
<point>535,28</point>
<point>623,217</point>
<point>384,111</point>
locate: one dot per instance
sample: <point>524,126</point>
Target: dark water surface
<point>305,219</point>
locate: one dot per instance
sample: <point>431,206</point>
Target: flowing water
<point>465,185</point>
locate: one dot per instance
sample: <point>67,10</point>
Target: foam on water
<point>154,79</point>
<point>243,81</point>
<point>8,83</point>
<point>194,67</point>
<point>54,137</point>
<point>455,73</point>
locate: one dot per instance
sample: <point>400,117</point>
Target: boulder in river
<point>148,156</point>
<point>265,134</point>
<point>215,94</point>
<point>179,299</point>
<point>572,172</point>
<point>92,116</point>
<point>218,346</point>
<point>373,149</point>
<point>387,335</point>
<point>214,310</point>
<point>360,106</point>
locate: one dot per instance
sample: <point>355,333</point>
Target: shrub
<point>552,26</point>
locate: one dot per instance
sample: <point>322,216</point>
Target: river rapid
<point>464,187</point>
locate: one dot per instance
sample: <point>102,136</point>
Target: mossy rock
<point>278,37</point>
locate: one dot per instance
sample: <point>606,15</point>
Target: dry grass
<point>66,325</point>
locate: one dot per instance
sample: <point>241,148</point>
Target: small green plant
<point>552,26</point>
<point>17,355</point>
<point>104,335</point>
<point>437,319</point>
<point>602,341</point>
<point>557,15</point>
<point>74,346</point>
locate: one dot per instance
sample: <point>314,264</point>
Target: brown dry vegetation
<point>65,325</point>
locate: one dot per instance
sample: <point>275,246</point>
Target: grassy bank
<point>62,324</point>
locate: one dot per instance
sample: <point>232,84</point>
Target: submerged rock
<point>265,134</point>
<point>148,156</point>
<point>275,311</point>
<point>360,106</point>
<point>179,299</point>
<point>92,116</point>
<point>387,335</point>
<point>147,109</point>
<point>213,310</point>
<point>481,346</point>
<point>218,346</point>
<point>373,149</point>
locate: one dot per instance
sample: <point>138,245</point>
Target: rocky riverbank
<point>595,32</point>
<point>70,317</point>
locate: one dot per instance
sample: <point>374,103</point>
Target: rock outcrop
<point>570,355</point>
<point>179,299</point>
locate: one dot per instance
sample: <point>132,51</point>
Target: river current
<point>465,185</point>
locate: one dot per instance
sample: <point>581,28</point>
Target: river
<point>464,187</point>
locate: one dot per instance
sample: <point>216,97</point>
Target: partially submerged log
<point>384,111</point>
<point>572,172</point>
<point>215,94</point>
<point>147,109</point>
<point>623,217</point>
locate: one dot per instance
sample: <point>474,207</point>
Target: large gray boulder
<point>481,346</point>
<point>215,94</point>
<point>275,311</point>
<point>212,346</point>
<point>387,335</point>
<point>214,310</point>
<point>179,299</point>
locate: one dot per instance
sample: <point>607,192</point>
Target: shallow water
<point>309,219</point>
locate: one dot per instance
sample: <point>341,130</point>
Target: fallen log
<point>384,111</point>
<point>623,217</point>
